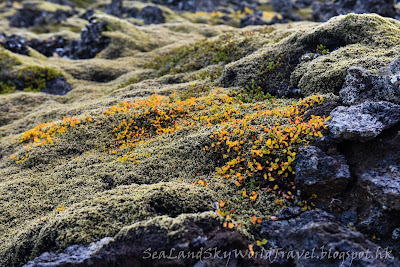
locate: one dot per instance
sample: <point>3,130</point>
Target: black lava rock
<point>14,43</point>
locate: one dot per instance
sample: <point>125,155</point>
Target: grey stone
<point>383,186</point>
<point>318,231</point>
<point>360,86</point>
<point>364,121</point>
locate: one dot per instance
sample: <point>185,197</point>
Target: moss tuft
<point>34,78</point>
<point>227,48</point>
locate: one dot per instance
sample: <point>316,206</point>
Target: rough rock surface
<point>318,233</point>
<point>319,173</point>
<point>152,15</point>
<point>91,43</point>
<point>49,46</point>
<point>364,121</point>
<point>361,86</point>
<point>30,15</point>
<point>14,43</point>
<point>57,86</point>
<point>325,11</point>
<point>376,165</point>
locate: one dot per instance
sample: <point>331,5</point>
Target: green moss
<point>16,76</point>
<point>126,38</point>
<point>7,63</point>
<point>106,213</point>
<point>227,48</point>
<point>82,3</point>
<point>369,41</point>
<point>252,94</point>
<point>34,78</point>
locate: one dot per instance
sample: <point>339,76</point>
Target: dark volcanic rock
<point>376,166</point>
<point>14,43</point>
<point>152,15</point>
<point>325,11</point>
<point>132,246</point>
<point>18,44</point>
<point>304,3</point>
<point>253,19</point>
<point>364,121</point>
<point>191,5</point>
<point>115,8</point>
<point>132,12</point>
<point>92,42</point>
<point>87,15</point>
<point>57,86</point>
<point>48,47</point>
<point>318,233</point>
<point>30,15</point>
<point>318,173</point>
<point>62,2</point>
<point>378,222</point>
<point>361,86</point>
<point>383,185</point>
<point>284,7</point>
<point>322,110</point>
<point>289,213</point>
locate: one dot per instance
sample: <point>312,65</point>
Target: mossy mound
<point>82,179</point>
<point>225,49</point>
<point>18,76</point>
<point>106,213</point>
<point>369,41</point>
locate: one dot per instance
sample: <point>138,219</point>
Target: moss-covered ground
<point>159,131</point>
